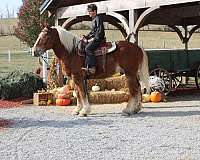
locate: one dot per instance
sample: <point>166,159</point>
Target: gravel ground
<point>162,131</point>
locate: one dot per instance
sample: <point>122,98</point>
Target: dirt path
<point>161,131</point>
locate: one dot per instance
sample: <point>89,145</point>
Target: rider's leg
<point>90,57</point>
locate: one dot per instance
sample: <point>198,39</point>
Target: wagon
<point>172,66</point>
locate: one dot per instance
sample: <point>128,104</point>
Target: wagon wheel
<point>176,81</point>
<point>197,77</point>
<point>165,76</point>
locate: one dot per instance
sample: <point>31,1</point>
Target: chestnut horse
<point>128,57</point>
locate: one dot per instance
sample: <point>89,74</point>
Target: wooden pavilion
<point>183,16</point>
<point>130,15</point>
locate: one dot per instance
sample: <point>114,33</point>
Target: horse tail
<point>144,73</point>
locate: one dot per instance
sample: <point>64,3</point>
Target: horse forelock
<point>68,39</point>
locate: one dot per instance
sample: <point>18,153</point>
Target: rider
<point>95,36</point>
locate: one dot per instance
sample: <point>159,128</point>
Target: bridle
<point>41,52</point>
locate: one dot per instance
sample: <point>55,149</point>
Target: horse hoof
<point>82,115</point>
<point>136,110</point>
<point>76,110</point>
<point>75,113</point>
<point>125,114</point>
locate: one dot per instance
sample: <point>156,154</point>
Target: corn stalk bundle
<point>20,84</point>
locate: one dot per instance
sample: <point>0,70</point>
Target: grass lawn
<point>23,61</point>
<point>11,43</point>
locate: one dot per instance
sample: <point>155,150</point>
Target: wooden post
<point>56,19</point>
<point>44,69</point>
<point>60,80</point>
<point>186,50</point>
<point>8,55</point>
<point>132,20</point>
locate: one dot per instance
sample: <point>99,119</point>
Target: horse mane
<point>68,39</point>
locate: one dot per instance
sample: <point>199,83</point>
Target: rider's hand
<point>90,40</point>
<point>84,39</point>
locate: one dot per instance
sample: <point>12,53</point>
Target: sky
<point>12,5</point>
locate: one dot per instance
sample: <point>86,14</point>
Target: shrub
<point>20,84</point>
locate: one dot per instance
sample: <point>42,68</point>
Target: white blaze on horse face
<point>34,49</point>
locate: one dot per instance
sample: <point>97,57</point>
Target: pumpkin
<point>156,96</point>
<point>95,88</point>
<point>62,102</point>
<point>146,98</point>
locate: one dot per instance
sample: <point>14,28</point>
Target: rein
<point>44,58</point>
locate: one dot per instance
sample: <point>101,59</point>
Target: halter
<point>44,58</point>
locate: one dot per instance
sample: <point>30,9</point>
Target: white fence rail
<point>9,54</point>
<point>10,60</point>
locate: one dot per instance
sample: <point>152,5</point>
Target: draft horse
<point>128,57</point>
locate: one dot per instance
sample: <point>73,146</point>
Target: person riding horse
<point>94,37</point>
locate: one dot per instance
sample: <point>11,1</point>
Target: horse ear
<point>42,25</point>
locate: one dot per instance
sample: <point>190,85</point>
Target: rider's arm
<point>99,34</point>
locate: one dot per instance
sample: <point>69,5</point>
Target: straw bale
<point>100,82</point>
<point>116,83</point>
<point>124,89</point>
<point>113,90</point>
<point>108,97</point>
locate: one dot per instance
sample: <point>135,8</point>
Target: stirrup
<point>89,70</point>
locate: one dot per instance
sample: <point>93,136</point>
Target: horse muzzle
<point>36,52</point>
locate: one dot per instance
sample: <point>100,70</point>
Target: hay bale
<point>100,82</point>
<point>116,83</point>
<point>105,97</point>
<point>108,97</point>
<point>125,90</point>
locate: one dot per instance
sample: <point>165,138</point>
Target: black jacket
<point>97,31</point>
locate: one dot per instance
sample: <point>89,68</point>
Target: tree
<point>29,24</point>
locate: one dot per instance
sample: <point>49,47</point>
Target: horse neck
<point>61,52</point>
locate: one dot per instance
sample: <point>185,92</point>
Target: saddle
<point>103,49</point>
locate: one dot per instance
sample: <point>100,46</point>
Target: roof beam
<point>110,6</point>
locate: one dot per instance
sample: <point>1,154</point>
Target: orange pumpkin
<point>146,98</point>
<point>156,96</point>
<point>62,102</point>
